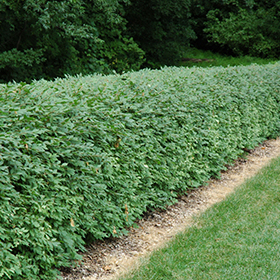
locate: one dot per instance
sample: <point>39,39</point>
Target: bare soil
<point>106,260</point>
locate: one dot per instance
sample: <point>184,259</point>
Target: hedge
<point>82,158</point>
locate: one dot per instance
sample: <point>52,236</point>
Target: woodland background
<point>49,39</point>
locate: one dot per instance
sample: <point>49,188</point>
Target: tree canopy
<point>162,28</point>
<point>48,39</point>
<point>250,27</point>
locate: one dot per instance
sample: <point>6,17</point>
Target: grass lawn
<point>238,238</point>
<point>220,60</point>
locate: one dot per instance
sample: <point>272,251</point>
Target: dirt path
<point>107,259</point>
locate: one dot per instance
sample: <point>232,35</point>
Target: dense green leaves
<point>246,32</point>
<point>38,37</point>
<point>239,27</point>
<point>118,50</point>
<point>48,39</point>
<point>82,158</point>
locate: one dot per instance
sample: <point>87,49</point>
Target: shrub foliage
<point>247,27</point>
<point>82,158</point>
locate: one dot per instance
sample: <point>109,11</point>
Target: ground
<point>105,260</point>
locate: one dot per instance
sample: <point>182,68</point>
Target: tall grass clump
<point>82,158</point>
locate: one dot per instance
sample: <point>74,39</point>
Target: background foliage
<point>82,158</point>
<point>48,39</point>
<point>162,28</point>
<point>237,27</point>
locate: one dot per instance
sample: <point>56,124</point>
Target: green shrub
<point>245,32</point>
<point>82,158</point>
<point>238,27</point>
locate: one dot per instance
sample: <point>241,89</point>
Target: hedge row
<point>82,158</point>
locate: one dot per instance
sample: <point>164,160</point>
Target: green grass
<point>238,238</point>
<point>220,60</point>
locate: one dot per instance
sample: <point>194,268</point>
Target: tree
<point>239,27</point>
<point>161,28</point>
<point>48,39</point>
<point>37,37</point>
<point>119,50</point>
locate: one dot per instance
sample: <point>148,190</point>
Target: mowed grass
<point>238,238</point>
<point>220,60</point>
